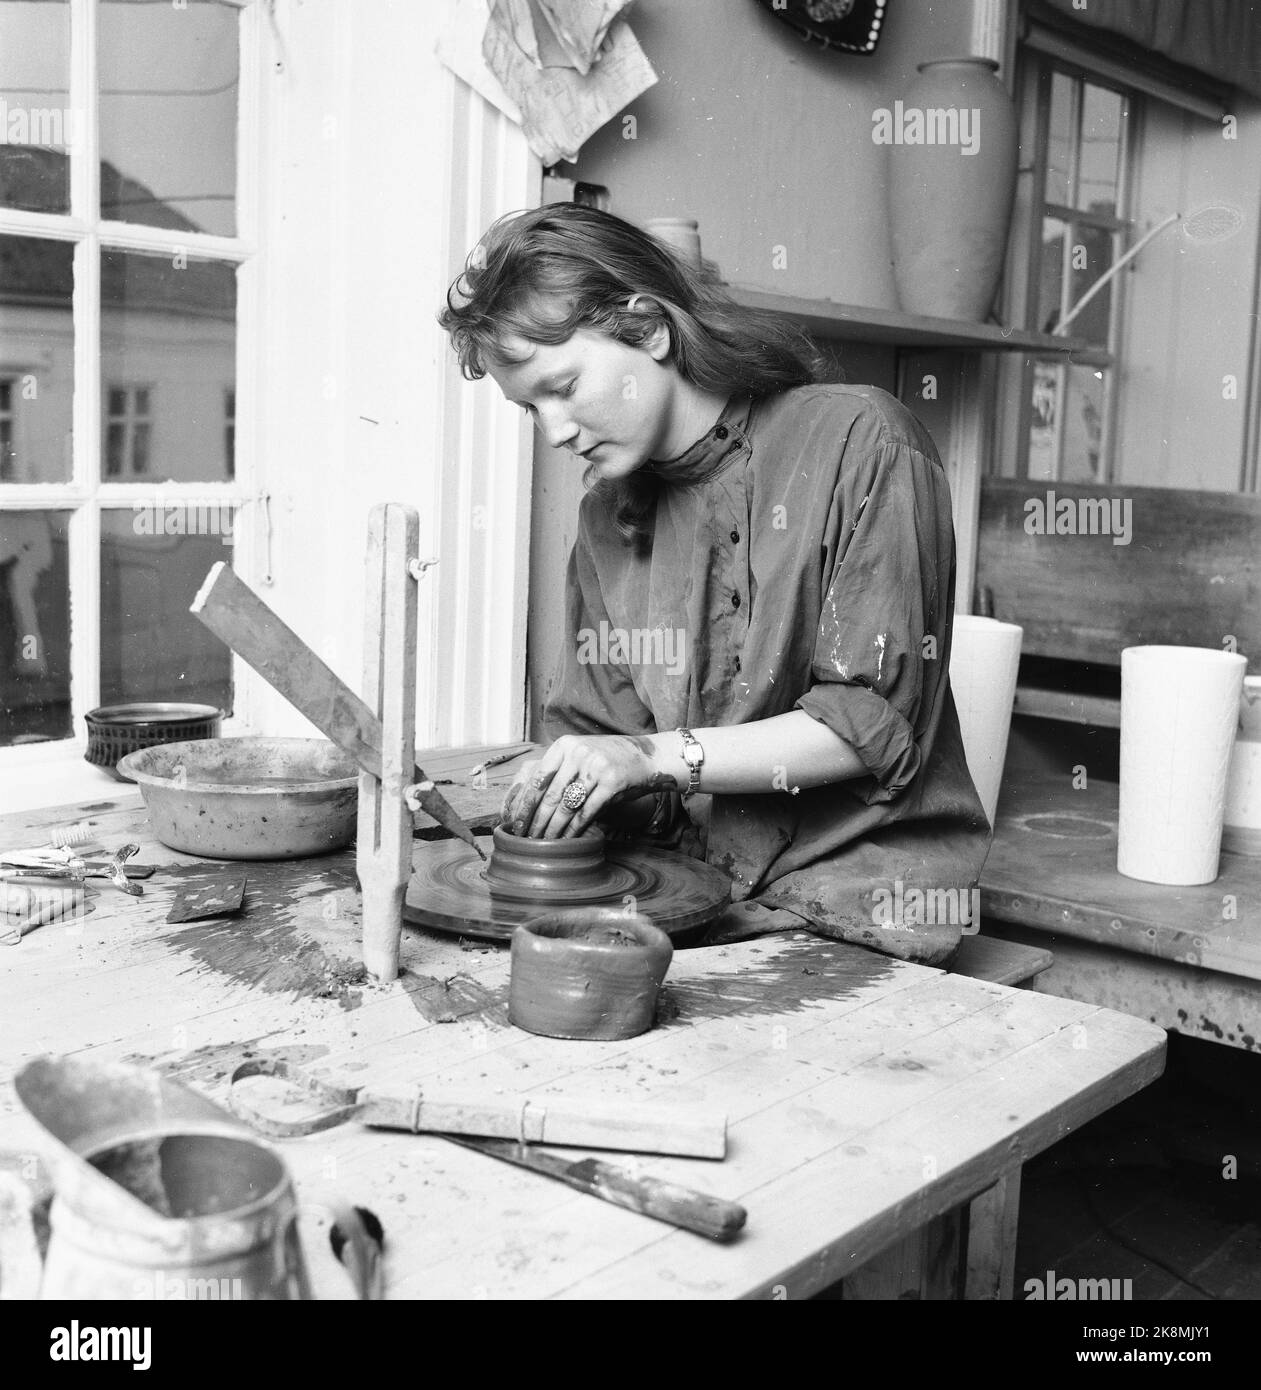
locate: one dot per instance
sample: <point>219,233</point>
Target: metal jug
<point>161,1194</point>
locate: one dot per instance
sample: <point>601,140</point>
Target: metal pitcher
<point>161,1194</point>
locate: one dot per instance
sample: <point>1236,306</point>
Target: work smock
<point>800,556</point>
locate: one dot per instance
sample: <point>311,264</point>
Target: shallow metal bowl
<point>248,798</point>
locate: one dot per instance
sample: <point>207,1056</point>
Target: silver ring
<point>574,795</point>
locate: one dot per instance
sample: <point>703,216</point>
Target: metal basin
<point>248,798</point>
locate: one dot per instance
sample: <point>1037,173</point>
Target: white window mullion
<point>85,615</point>
<point>53,225</point>
<point>131,236</point>
<point>85,525</point>
<point>85,163</point>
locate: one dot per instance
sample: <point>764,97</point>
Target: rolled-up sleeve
<point>891,554</point>
<point>591,693</point>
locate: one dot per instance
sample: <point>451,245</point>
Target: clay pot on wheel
<point>543,870</point>
<point>589,972</point>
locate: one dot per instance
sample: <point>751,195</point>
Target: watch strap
<point>694,756</point>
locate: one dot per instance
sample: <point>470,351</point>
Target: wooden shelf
<point>852,323</point>
<point>1100,710</point>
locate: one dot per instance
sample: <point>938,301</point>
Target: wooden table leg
<point>992,1220</point>
<point>925,1265</point>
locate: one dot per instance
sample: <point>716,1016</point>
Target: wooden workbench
<point>872,1102</point>
<point>1188,958</point>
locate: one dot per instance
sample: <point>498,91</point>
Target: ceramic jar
<point>952,149</point>
<point>681,234</point>
<point>590,972</point>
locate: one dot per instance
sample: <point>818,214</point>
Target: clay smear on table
<point>297,933</point>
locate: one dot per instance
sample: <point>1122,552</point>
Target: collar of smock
<point>714,450</point>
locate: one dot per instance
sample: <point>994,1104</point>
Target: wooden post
<point>992,1221</point>
<point>383,856</point>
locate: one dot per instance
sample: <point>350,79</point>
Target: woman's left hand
<point>609,768</point>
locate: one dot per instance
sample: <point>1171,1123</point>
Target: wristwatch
<point>694,756</point>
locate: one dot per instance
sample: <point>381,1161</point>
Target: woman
<point>759,599</point>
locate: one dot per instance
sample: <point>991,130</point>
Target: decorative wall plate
<point>845,26</point>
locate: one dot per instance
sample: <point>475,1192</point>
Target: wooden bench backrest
<point>1190,574</point>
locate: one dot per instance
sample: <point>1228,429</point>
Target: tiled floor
<point>1146,1191</point>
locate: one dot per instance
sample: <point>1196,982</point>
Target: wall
<point>1190,308</point>
<point>766,140</point>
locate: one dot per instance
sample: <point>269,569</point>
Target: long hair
<point>543,274</point>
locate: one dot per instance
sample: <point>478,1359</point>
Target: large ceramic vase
<point>952,144</point>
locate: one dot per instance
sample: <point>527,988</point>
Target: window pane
<point>1083,425</point>
<point>168,114</point>
<point>1100,150</point>
<point>34,627</point>
<point>1059,151</point>
<point>153,560</point>
<point>168,353</point>
<point>36,123</point>
<point>36,359</point>
<point>1091,256</point>
<point>1044,416</point>
<point>1051,276</point>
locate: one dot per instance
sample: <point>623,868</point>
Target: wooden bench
<point>1188,574</point>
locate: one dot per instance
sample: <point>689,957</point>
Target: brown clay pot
<point>589,972</point>
<point>547,870</point>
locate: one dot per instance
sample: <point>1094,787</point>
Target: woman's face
<point>613,405</point>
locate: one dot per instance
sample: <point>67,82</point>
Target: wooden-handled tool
<point>687,1131</point>
<point>473,1120</point>
<point>663,1201</point>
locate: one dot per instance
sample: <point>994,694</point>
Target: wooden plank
<point>1053,865</point>
<point>1099,710</point>
<point>855,323</point>
<point>1185,999</point>
<point>993,1217</point>
<point>236,615</point>
<point>893,1155</point>
<point>923,1266</point>
<point>1190,573</point>
<point>383,849</point>
<point>1001,962</point>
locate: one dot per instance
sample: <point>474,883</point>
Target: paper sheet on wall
<point>460,48</point>
<point>581,26</point>
<point>560,106</point>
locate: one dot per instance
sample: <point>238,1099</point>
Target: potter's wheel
<point>449,891</point>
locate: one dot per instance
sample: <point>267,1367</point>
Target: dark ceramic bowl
<point>116,730</point>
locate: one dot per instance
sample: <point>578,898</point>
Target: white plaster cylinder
<point>1179,711</point>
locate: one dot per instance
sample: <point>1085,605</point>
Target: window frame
<point>1036,70</point>
<point>88,492</point>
